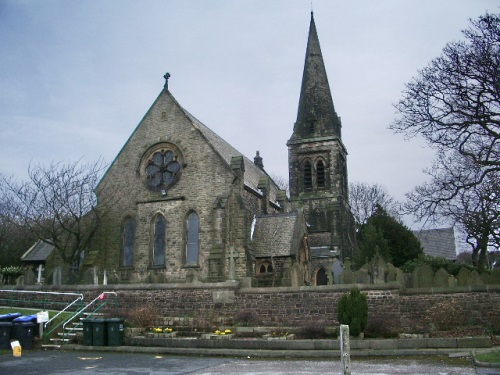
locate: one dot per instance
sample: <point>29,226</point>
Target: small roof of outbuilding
<point>438,242</point>
<point>278,234</point>
<point>39,252</point>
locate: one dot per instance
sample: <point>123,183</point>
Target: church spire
<point>316,116</point>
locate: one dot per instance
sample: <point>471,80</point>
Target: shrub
<point>247,317</point>
<point>436,263</point>
<point>144,316</point>
<point>446,315</point>
<point>353,311</point>
<point>313,329</point>
<point>381,327</point>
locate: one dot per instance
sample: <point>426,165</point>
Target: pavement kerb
<point>485,364</point>
<point>271,353</point>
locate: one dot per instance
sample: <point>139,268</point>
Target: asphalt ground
<point>58,362</point>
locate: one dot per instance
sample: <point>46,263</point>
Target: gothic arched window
<point>320,175</point>
<point>192,238</point>
<point>128,243</point>
<point>159,240</point>
<point>307,176</point>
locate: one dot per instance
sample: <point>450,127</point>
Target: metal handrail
<point>45,325</point>
<point>100,297</point>
<point>63,310</point>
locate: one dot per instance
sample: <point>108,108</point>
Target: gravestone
<point>422,276</point>
<point>337,269</point>
<point>440,279</point>
<point>463,277</point>
<point>56,276</point>
<point>475,278</point>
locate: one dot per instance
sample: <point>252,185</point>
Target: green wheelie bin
<point>88,330</point>
<point>116,328</point>
<point>99,332</point>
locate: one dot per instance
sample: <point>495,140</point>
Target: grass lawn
<point>24,311</point>
<point>489,357</point>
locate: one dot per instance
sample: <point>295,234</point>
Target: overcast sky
<point>76,77</point>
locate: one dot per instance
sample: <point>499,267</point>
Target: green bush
<point>353,311</point>
<point>436,263</point>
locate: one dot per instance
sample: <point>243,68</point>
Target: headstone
<point>440,279</point>
<point>475,278</point>
<point>422,276</point>
<point>463,277</point>
<point>56,276</point>
<point>337,269</point>
<point>391,272</point>
<point>377,269</point>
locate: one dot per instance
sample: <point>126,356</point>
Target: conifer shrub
<point>353,310</point>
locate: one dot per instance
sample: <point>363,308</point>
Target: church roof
<point>226,151</point>
<point>438,242</point>
<point>39,252</point>
<point>316,110</point>
<point>277,235</point>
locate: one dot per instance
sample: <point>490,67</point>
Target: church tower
<point>317,160</point>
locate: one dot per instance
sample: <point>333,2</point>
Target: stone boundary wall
<point>222,303</point>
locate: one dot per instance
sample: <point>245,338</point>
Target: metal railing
<point>10,300</point>
<point>100,299</point>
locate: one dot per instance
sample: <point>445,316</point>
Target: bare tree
<point>454,103</point>
<point>476,210</point>
<point>58,204</point>
<point>280,181</point>
<point>364,199</point>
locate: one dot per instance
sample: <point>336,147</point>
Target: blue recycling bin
<point>9,317</point>
<point>27,319</point>
<point>24,333</point>
<point>5,332</point>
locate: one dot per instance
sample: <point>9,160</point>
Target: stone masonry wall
<point>403,309</point>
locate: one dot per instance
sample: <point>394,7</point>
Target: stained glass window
<point>192,245</point>
<point>128,243</point>
<point>162,169</point>
<point>159,241</point>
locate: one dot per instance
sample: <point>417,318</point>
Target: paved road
<point>79,363</point>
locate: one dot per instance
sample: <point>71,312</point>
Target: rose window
<point>162,169</point>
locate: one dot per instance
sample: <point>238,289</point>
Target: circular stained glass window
<point>162,169</point>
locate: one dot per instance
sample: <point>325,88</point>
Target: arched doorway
<point>321,278</point>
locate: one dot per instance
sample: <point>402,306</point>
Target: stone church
<point>191,208</point>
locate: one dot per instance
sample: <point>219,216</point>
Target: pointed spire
<point>316,116</point>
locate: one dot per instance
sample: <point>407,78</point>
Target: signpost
<point>345,349</point>
<point>42,317</point>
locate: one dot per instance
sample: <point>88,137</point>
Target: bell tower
<point>317,160</point>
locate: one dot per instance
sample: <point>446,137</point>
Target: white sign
<point>42,317</point>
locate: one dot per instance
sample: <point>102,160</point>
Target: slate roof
<point>226,151</point>
<point>277,235</point>
<point>39,252</point>
<point>438,242</point>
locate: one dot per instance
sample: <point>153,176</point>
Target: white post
<point>345,349</point>
<point>105,278</point>
<point>39,278</point>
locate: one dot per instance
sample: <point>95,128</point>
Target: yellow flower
<point>217,332</point>
<point>227,331</point>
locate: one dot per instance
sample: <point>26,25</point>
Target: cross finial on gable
<point>166,76</point>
